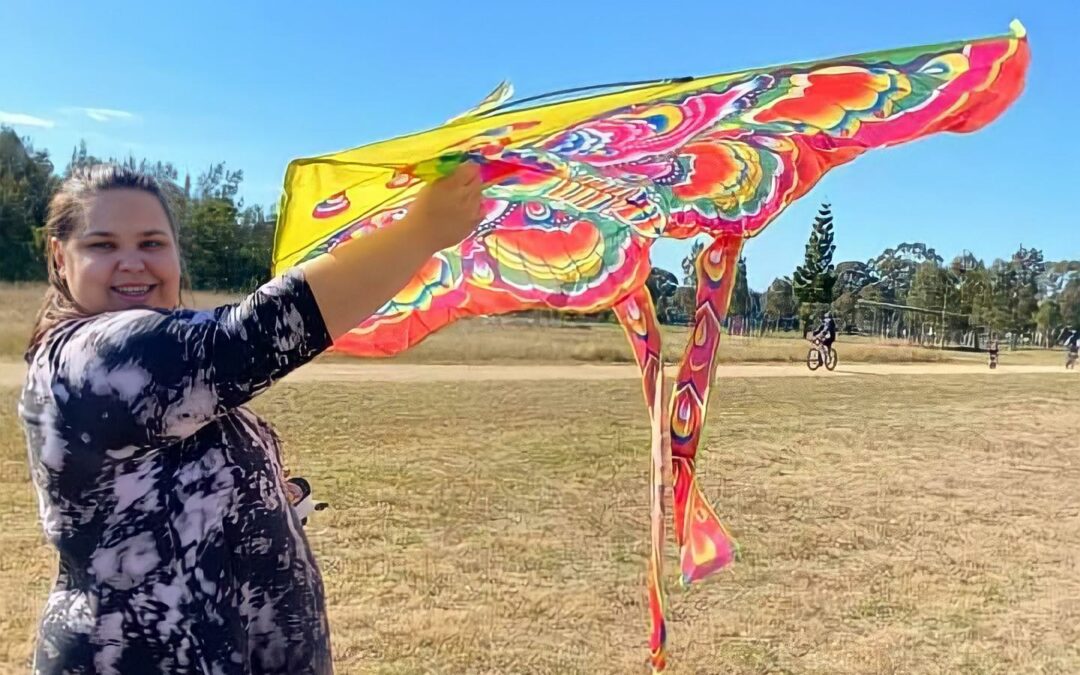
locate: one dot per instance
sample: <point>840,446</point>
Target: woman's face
<point>126,255</point>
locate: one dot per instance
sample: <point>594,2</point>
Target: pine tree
<point>813,281</point>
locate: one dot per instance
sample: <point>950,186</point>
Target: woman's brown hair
<point>67,214</point>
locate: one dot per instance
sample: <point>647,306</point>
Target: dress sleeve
<point>140,379</point>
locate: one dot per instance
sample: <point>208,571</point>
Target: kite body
<point>581,189</point>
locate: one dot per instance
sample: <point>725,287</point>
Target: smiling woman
<point>181,549</point>
<point>112,245</point>
<point>139,267</point>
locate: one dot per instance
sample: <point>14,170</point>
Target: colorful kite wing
<point>525,255</point>
<point>732,151</point>
<point>581,188</point>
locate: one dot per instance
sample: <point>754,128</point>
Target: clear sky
<point>259,83</point>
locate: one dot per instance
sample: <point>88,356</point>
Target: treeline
<point>226,245</point>
<point>907,292</point>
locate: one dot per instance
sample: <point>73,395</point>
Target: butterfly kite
<point>580,188</point>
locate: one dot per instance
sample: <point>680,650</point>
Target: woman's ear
<point>56,252</point>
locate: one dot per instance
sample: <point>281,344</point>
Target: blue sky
<point>257,84</point>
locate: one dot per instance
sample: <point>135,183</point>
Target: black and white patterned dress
<point>179,552</point>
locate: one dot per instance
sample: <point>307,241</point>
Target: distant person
<point>1070,337</point>
<point>826,331</point>
<point>164,495</point>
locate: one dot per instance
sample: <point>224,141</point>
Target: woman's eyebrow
<point>103,233</point>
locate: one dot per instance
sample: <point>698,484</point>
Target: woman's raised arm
<point>360,276</point>
<point>142,378</point>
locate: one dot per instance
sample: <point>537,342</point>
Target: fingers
<point>471,189</point>
<point>466,174</point>
<point>474,201</point>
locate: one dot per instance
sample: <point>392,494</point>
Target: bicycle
<point>817,354</point>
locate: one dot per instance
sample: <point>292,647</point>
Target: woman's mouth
<point>134,292</point>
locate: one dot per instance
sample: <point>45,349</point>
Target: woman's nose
<point>132,262</point>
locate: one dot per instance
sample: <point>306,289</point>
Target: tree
<point>688,300</point>
<point>813,281</point>
<point>1014,299</point>
<point>895,268</point>
<point>845,307</point>
<point>757,304</point>
<point>210,243</point>
<point>928,287</point>
<point>80,158</point>
<point>226,246</point>
<point>1048,319</point>
<point>1056,276</point>
<point>27,184</point>
<point>662,285</point>
<point>740,295</point>
<point>1069,303</point>
<point>220,183</point>
<point>852,276</point>
<point>1027,265</point>
<point>780,299</point>
<point>939,289</point>
<point>979,292</point>
<point>689,263</point>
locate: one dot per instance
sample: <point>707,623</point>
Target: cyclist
<point>826,331</point>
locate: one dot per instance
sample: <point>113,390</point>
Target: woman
<point>163,494</point>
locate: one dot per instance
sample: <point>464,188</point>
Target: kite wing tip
<point>1017,28</point>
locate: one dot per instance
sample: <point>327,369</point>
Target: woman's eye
<point>103,245</point>
<point>152,244</point>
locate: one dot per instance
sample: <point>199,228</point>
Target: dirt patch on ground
<point>12,373</point>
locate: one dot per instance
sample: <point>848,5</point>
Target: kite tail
<point>659,483</point>
<point>705,546</point>
<point>657,610</point>
<point>637,316</point>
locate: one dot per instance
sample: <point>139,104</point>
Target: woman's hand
<point>447,211</point>
<point>360,275</point>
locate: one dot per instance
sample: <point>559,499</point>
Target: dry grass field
<point>19,304</point>
<point>902,524</point>
<point>511,340</point>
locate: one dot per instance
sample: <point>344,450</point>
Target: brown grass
<point>500,340</point>
<point>889,525</point>
<point>508,340</point>
<point>19,304</point>
<point>514,340</point>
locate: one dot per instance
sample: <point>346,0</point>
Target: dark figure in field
<point>827,330</point>
<point>1070,337</point>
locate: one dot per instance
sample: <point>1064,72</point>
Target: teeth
<point>132,290</point>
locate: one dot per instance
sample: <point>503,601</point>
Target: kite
<point>582,183</point>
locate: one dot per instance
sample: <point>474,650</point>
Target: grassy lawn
<point>889,525</point>
<point>19,304</point>
<point>512,340</point>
